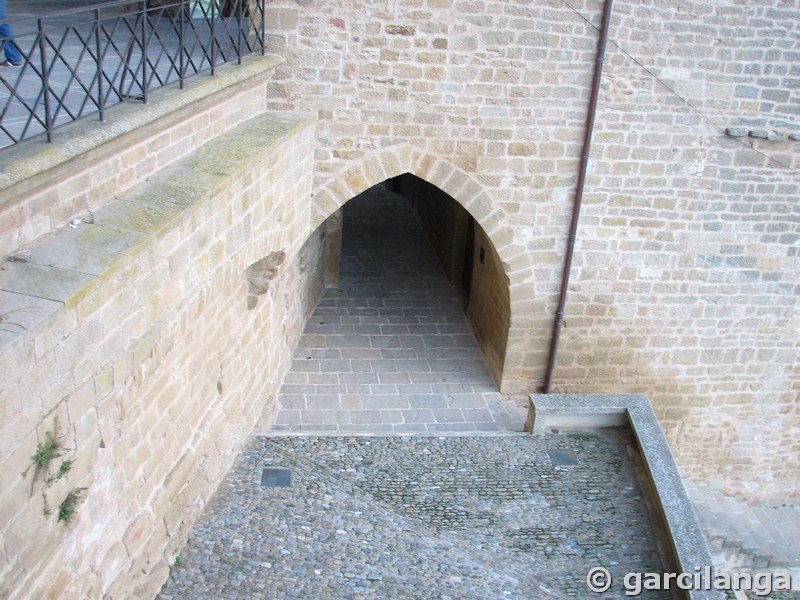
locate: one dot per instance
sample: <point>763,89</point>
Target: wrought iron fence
<point>77,63</point>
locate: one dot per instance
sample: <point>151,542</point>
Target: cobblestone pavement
<point>421,516</point>
<point>390,349</point>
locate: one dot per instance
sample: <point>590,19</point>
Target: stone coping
<point>602,410</point>
<point>31,164</point>
<point>64,268</point>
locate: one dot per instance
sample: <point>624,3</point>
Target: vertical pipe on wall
<point>576,208</point>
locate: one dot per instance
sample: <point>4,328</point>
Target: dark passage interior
<point>389,348</point>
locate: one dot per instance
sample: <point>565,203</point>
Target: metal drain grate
<point>275,478</point>
<point>563,458</point>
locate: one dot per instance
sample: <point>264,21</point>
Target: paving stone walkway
<point>390,348</point>
<point>479,516</point>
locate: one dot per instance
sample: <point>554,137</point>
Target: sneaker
<point>5,63</point>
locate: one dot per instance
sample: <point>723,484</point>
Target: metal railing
<point>79,62</point>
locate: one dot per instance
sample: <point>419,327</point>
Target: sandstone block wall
<point>685,281</point>
<point>147,346</point>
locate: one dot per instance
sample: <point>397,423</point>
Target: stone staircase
<point>743,537</point>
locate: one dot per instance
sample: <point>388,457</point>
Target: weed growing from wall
<point>43,464</point>
<point>66,510</point>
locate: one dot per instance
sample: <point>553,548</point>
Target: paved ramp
<point>478,516</point>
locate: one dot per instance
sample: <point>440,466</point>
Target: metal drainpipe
<point>576,209</point>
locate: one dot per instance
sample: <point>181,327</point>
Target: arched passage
<point>389,346</point>
<point>522,363</point>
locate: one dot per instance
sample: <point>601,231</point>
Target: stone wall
<point>685,281</point>
<point>445,223</point>
<point>686,277</point>
<point>488,306</point>
<point>141,349</point>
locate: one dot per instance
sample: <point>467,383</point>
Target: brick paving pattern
<point>390,349</point>
<point>420,516</point>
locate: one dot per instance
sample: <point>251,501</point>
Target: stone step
<point>759,537</point>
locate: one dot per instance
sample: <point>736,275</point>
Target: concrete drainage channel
<point>493,515</point>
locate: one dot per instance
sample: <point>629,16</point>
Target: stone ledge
<point>32,164</point>
<point>600,410</point>
<point>60,270</point>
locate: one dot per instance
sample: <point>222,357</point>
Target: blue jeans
<point>12,52</point>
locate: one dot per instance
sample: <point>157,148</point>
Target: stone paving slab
<point>420,516</point>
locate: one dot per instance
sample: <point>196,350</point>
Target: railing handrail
<point>90,7</point>
<point>79,61</point>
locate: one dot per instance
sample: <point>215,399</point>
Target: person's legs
<point>12,52</point>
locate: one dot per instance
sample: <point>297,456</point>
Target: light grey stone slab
<point>477,415</point>
<point>288,417</point>
<point>384,366</point>
<point>448,415</point>
<point>50,283</point>
<point>336,416</point>
<point>391,416</point>
<point>384,341</point>
<point>358,378</point>
<point>419,415</point>
<point>351,401</point>
<point>388,401</point>
<point>472,401</point>
<point>291,402</point>
<point>394,378</point>
<point>361,417</point>
<point>362,353</point>
<point>59,252</point>
<point>303,365</point>
<point>427,401</point>
<point>20,313</point>
<point>335,366</point>
<point>323,401</point>
<point>383,389</point>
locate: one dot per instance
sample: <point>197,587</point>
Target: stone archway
<point>517,375</point>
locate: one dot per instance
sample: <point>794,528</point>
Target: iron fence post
<point>144,51</point>
<point>48,119</point>
<point>239,26</point>
<point>263,4</point>
<point>213,9</point>
<point>101,105</point>
<point>184,6</point>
